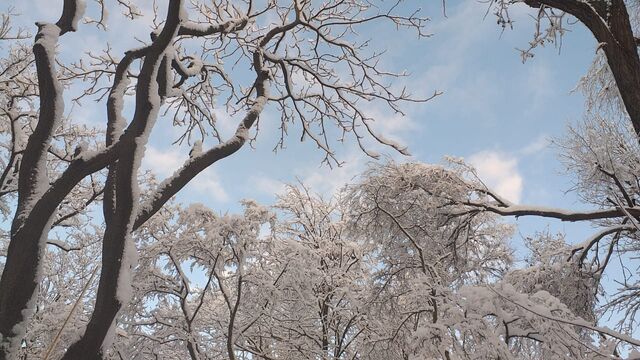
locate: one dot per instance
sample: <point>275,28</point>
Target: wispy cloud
<point>165,163</point>
<point>327,181</point>
<point>208,183</point>
<point>540,143</point>
<point>162,163</point>
<point>500,172</point>
<point>266,184</point>
<point>394,126</point>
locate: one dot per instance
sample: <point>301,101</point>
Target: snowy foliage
<point>313,278</point>
<point>244,57</point>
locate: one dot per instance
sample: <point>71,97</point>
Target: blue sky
<point>496,112</point>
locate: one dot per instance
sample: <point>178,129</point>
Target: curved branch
<point>192,167</point>
<point>560,214</point>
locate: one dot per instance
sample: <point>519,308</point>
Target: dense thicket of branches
<point>398,265</point>
<point>50,163</point>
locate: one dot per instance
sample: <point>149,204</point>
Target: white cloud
<point>328,181</point>
<point>390,125</point>
<point>225,124</point>
<point>267,185</point>
<point>208,182</point>
<point>500,172</point>
<point>538,144</point>
<point>165,163</point>
<point>162,163</point>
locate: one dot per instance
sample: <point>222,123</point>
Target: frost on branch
<point>416,205</point>
<point>352,279</point>
<point>548,270</point>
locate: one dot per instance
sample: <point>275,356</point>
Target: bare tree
<point>308,62</point>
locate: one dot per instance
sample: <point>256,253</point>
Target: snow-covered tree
<point>397,266</point>
<point>323,307</point>
<point>292,287</point>
<point>195,288</point>
<point>447,287</point>
<point>69,249</point>
<point>273,42</point>
<point>602,155</point>
<point>601,152</point>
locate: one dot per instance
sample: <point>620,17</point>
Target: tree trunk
<point>19,282</point>
<point>107,303</point>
